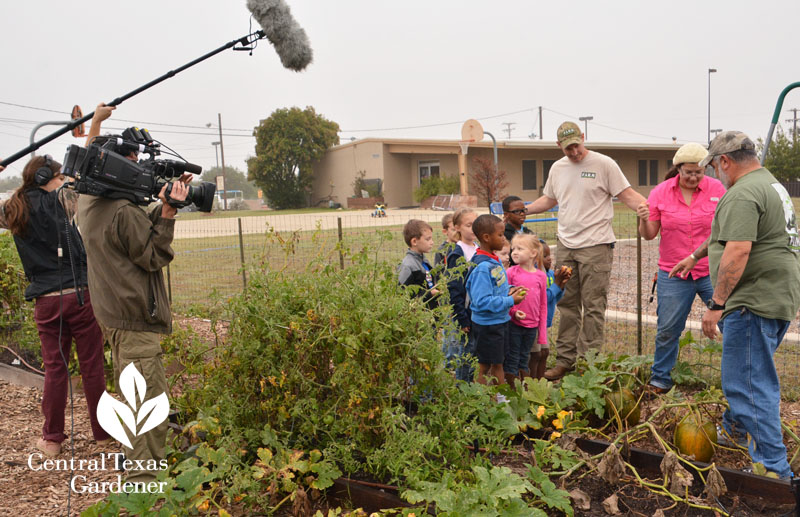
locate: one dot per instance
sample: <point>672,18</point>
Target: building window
<point>528,174</point>
<point>654,172</point>
<point>642,173</point>
<point>546,164</point>
<point>428,169</point>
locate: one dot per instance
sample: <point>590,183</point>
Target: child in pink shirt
<point>528,325</point>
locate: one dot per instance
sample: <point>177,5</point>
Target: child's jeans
<point>521,341</point>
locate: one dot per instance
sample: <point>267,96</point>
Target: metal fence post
<point>638,291</point>
<point>341,253</point>
<point>241,255</point>
<point>169,285</point>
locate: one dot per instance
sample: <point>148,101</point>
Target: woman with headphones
<point>39,216</point>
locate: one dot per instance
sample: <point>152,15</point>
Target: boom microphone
<point>283,31</point>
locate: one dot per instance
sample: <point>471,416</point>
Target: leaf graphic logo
<point>137,413</point>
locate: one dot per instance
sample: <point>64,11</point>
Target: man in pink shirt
<point>681,208</point>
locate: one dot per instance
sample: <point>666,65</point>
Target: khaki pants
<point>144,350</point>
<point>583,307</point>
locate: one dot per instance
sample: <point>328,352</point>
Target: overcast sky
<point>639,68</point>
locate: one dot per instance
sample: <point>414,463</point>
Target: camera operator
<point>39,216</point>
<point>126,248</point>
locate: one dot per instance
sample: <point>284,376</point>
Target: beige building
<point>401,164</point>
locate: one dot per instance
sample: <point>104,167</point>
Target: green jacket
<point>126,248</point>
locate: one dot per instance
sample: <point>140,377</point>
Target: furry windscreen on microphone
<point>283,32</point>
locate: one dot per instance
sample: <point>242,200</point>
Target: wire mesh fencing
<point>212,257</point>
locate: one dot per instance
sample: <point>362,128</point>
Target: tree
<point>10,183</point>
<point>783,157</point>
<point>234,180</point>
<point>488,182</point>
<point>287,145</point>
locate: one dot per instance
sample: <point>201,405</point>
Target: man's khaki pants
<point>583,307</point>
<point>144,350</point>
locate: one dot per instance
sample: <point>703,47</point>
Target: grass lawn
<point>192,216</point>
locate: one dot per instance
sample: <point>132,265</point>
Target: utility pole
<point>540,122</point>
<point>216,152</point>
<point>710,71</point>
<point>222,152</point>
<point>585,121</point>
<point>509,128</point>
<point>794,124</point>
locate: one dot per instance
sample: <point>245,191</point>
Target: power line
<point>610,127</point>
<point>9,121</point>
<point>119,119</point>
<point>432,125</point>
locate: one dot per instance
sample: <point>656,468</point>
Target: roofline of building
<point>513,144</point>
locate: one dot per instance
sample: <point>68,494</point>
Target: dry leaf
<point>580,499</point>
<point>611,468</point>
<point>679,478</point>
<point>301,505</point>
<point>611,505</point>
<point>715,485</point>
<point>659,513</point>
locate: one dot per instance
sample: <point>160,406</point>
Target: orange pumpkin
<point>695,438</point>
<point>625,403</point>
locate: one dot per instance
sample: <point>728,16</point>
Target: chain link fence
<point>212,257</point>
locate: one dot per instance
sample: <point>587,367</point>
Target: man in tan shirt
<point>583,184</point>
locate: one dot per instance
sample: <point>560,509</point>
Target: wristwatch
<point>714,306</point>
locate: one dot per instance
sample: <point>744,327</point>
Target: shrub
<point>345,362</point>
<point>16,315</point>
<point>436,186</point>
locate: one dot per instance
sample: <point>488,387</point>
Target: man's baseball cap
<point>568,133</point>
<point>728,142</point>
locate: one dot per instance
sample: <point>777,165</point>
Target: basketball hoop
<point>464,144</point>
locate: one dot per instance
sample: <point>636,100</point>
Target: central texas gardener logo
<point>138,415</point>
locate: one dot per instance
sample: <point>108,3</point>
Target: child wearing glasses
<point>514,217</point>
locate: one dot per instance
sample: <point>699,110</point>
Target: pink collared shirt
<point>684,227</point>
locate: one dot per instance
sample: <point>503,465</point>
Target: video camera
<point>104,169</point>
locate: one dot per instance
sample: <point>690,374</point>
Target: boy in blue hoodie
<point>490,298</point>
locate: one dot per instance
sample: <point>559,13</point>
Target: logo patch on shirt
<point>714,199</point>
<point>499,275</point>
<point>590,175</point>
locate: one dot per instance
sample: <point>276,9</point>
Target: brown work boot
<point>556,373</point>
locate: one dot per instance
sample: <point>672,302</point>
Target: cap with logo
<point>728,142</point>
<point>569,133</point>
<point>689,153</point>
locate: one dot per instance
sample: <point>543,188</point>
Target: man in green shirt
<point>755,269</point>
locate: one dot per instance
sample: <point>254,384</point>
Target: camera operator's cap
<point>569,133</point>
<point>689,153</point>
<point>728,142</point>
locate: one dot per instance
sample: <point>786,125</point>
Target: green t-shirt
<point>758,209</point>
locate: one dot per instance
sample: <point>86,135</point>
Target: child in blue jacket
<point>490,299</point>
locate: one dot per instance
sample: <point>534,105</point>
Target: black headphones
<point>44,173</point>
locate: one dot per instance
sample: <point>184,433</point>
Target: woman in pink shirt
<point>681,209</point>
<point>528,326</point>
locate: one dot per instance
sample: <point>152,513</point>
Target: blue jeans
<point>675,298</point>
<point>520,344</point>
<point>750,383</point>
<point>463,353</point>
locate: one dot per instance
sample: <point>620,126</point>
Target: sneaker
<point>725,439</point>
<point>50,449</point>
